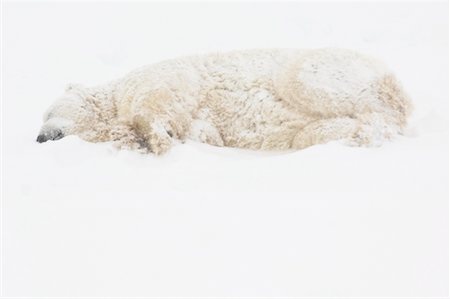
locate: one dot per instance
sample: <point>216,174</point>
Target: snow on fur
<point>258,99</point>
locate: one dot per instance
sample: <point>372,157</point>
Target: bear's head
<point>77,112</point>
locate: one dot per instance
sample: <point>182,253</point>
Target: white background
<point>83,219</point>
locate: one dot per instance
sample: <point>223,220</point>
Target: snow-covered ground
<point>81,219</point>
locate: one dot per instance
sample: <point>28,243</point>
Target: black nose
<point>41,138</point>
<point>50,135</point>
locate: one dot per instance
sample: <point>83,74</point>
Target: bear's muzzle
<point>50,135</point>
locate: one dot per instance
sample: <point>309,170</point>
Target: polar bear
<point>276,99</point>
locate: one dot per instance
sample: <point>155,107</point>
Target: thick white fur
<point>257,99</point>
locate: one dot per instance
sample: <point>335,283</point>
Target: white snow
<point>81,219</point>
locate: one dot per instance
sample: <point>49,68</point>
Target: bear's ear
<point>72,86</point>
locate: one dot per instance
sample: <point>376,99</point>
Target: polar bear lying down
<point>256,99</point>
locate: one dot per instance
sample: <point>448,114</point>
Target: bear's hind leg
<point>325,130</point>
<point>369,129</point>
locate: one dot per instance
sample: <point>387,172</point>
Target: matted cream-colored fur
<point>256,99</point>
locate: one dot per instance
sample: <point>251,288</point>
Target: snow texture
<point>84,219</point>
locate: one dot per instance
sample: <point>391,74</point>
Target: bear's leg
<point>367,130</point>
<point>153,134</point>
<point>159,118</point>
<point>325,130</point>
<point>204,132</point>
<point>125,137</point>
